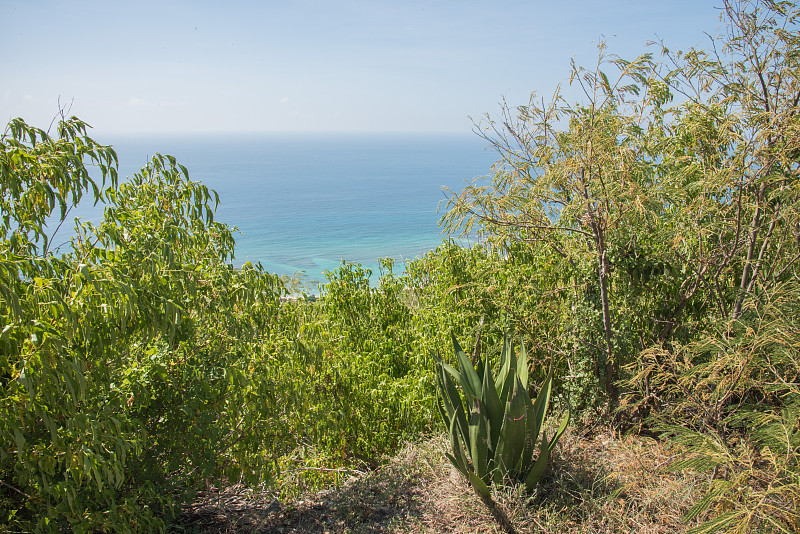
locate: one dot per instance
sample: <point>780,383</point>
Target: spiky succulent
<point>496,421</point>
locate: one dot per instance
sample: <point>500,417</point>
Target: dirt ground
<point>596,484</point>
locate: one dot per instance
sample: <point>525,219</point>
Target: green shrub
<point>127,362</point>
<point>730,402</point>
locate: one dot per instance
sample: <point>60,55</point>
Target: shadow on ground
<point>603,483</point>
<point>368,504</point>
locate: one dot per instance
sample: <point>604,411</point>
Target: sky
<point>337,65</point>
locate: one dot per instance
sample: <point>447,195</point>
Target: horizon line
<point>281,132</point>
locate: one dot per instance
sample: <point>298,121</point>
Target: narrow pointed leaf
<point>459,460</point>
<point>442,412</point>
<point>478,438</point>
<point>448,400</point>
<point>452,371</point>
<point>508,387</point>
<point>494,408</point>
<point>479,485</point>
<point>514,426</point>
<point>499,382</point>
<point>510,372</point>
<point>452,401</point>
<point>449,368</point>
<point>522,365</point>
<point>561,428</point>
<point>536,473</point>
<point>540,406</point>
<point>457,465</point>
<point>469,378</point>
<point>498,468</point>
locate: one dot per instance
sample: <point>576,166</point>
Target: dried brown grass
<point>597,484</point>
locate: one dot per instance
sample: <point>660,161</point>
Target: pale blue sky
<point>237,65</point>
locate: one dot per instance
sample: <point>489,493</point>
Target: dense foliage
<point>658,225</point>
<point>643,243</point>
<point>139,365</point>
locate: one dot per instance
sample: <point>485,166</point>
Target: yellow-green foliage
<point>731,402</point>
<point>125,362</point>
<point>137,364</point>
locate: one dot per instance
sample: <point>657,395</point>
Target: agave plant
<point>496,421</point>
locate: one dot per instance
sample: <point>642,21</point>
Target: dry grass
<point>597,484</point>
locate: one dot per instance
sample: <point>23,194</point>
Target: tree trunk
<point>751,248</point>
<point>603,268</point>
<point>610,367</point>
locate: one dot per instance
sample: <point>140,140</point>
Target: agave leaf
<point>537,471</point>
<point>512,357</point>
<point>479,485</point>
<point>536,414</point>
<point>561,428</point>
<point>469,378</point>
<point>460,463</point>
<point>478,438</point>
<point>452,371</point>
<point>452,403</point>
<point>530,441</point>
<point>508,388</point>
<point>458,458</point>
<point>494,408</point>
<point>545,448</point>
<point>514,427</point>
<point>522,365</point>
<point>447,367</point>
<point>442,411</point>
<point>540,406</point>
<point>499,380</point>
<point>449,395</point>
<point>455,463</point>
<point>508,366</point>
<point>498,468</point>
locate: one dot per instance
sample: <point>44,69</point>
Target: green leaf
<point>452,402</point>
<point>537,471</point>
<point>479,438</point>
<point>20,439</point>
<point>539,408</point>
<point>458,458</point>
<point>514,427</point>
<point>505,367</point>
<point>479,485</point>
<point>561,428</point>
<point>499,470</point>
<point>522,365</point>
<point>493,406</point>
<point>470,380</point>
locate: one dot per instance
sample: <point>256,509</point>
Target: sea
<point>303,203</point>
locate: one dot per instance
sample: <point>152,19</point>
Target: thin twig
<point>327,470</point>
<point>9,486</point>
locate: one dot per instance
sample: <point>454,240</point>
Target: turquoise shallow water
<point>304,202</point>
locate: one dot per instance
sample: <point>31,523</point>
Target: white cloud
<point>284,100</point>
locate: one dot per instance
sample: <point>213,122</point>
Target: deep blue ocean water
<point>305,202</point>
